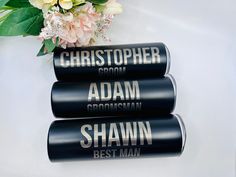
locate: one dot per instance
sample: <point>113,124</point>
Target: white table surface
<point>202,40</point>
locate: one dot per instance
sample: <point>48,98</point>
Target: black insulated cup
<point>115,138</point>
<point>148,60</point>
<point>113,97</point>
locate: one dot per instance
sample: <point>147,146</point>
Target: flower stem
<point>7,8</point>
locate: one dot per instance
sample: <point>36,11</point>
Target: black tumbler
<point>147,60</point>
<point>111,98</point>
<point>116,137</point>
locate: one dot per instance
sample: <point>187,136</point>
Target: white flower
<point>43,4</point>
<point>66,4</point>
<point>112,7</point>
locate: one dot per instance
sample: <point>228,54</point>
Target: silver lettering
<point>96,154</point>
<point>86,135</point>
<point>145,131</point>
<point>62,59</point>
<point>118,92</point>
<point>98,54</point>
<point>127,54</point>
<point>118,58</point>
<point>85,58</point>
<point>93,92</point>
<point>102,133</point>
<point>74,59</point>
<point>108,56</point>
<point>113,135</point>
<point>132,92</point>
<point>129,134</point>
<point>146,55</point>
<point>108,88</point>
<point>137,56</point>
<point>156,58</point>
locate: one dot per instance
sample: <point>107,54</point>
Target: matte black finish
<point>111,98</point>
<point>111,62</point>
<point>116,137</point>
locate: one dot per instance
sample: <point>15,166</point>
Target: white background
<point>201,36</point>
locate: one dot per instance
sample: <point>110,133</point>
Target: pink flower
<point>75,28</point>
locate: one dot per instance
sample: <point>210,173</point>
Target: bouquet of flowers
<point>58,23</point>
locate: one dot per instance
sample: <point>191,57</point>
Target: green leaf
<point>41,51</point>
<point>49,45</point>
<point>18,3</point>
<point>22,21</point>
<point>3,2</point>
<point>2,18</point>
<point>98,1</point>
<point>57,41</point>
<point>36,26</point>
